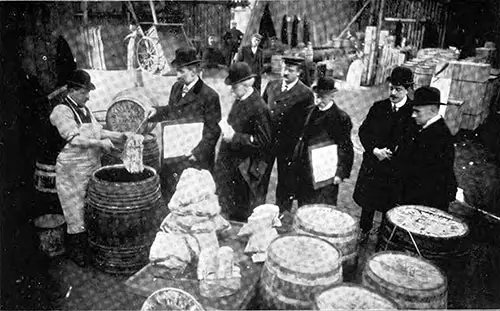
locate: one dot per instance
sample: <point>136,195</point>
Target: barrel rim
<point>315,296</point>
<point>293,234</point>
<point>440,271</point>
<point>454,218</point>
<point>58,219</point>
<point>155,294</point>
<point>146,167</point>
<point>310,227</point>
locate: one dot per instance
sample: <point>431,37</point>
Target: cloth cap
<point>258,36</point>
<point>293,60</point>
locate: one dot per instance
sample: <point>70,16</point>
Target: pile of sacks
<point>191,226</point>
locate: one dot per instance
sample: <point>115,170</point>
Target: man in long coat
<point>325,124</point>
<point>380,134</point>
<point>254,57</point>
<point>427,156</point>
<point>191,101</point>
<point>281,96</point>
<point>245,148</point>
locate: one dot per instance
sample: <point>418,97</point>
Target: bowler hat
<point>258,36</point>
<point>239,72</point>
<point>80,78</point>
<point>185,56</point>
<point>293,60</point>
<point>401,76</point>
<point>427,95</point>
<point>325,85</point>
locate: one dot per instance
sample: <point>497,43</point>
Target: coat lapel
<point>191,95</point>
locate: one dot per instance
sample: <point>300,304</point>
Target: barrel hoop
<point>136,196</point>
<point>153,179</point>
<point>346,248</point>
<point>394,292</point>
<point>106,208</point>
<point>281,302</point>
<point>302,278</point>
<point>298,224</point>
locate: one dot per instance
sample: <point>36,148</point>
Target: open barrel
<point>121,217</point>
<point>348,296</point>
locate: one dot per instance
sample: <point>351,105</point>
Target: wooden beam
<point>380,20</point>
<point>355,18</point>
<point>153,11</point>
<point>85,10</point>
<point>402,20</point>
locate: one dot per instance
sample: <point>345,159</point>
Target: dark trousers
<point>325,195</point>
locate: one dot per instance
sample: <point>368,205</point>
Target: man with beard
<point>281,96</point>
<point>427,155</point>
<point>380,134</point>
<point>191,102</point>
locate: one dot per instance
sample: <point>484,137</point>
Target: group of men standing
<point>409,152</point>
<point>408,158</point>
<point>282,124</point>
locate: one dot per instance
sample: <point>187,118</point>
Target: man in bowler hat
<point>245,148</point>
<point>191,101</point>
<point>427,155</point>
<point>253,56</point>
<point>380,134</point>
<point>323,124</point>
<point>281,96</point>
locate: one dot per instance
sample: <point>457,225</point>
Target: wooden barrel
<point>411,282</point>
<point>441,238</point>
<point>438,235</point>
<point>128,110</point>
<point>423,75</point>
<point>298,266</point>
<point>120,217</point>
<point>348,296</point>
<point>276,63</point>
<point>335,226</point>
<point>150,154</point>
<point>44,181</point>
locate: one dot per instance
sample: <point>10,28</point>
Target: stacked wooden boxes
<point>469,83</point>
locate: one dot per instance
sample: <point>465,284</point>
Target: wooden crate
<point>472,93</point>
<point>453,116</point>
<point>472,121</point>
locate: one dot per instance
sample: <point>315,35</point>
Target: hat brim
<point>89,87</point>
<point>179,65</point>
<point>399,83</point>
<point>322,92</point>
<point>428,103</point>
<point>229,82</point>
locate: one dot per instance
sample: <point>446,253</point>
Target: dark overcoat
<point>242,162</point>
<point>377,183</point>
<point>426,164</point>
<point>255,61</point>
<point>330,126</point>
<point>286,128</point>
<point>200,104</point>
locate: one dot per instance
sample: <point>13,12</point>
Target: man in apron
<point>81,141</point>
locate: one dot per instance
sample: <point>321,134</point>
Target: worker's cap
<point>258,36</point>
<point>80,79</point>
<point>293,60</point>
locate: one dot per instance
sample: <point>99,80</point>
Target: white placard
<point>324,162</point>
<point>181,139</point>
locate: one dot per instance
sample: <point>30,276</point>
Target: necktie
<point>285,88</point>
<point>394,108</point>
<point>184,90</point>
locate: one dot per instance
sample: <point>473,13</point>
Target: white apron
<point>74,168</point>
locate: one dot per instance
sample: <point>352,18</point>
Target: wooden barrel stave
<point>290,284</point>
<point>412,270</point>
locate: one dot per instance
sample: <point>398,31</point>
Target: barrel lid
<point>406,271</point>
<point>128,110</point>
<point>427,221</point>
<point>325,219</point>
<point>171,299</point>
<point>304,254</point>
<point>352,297</point>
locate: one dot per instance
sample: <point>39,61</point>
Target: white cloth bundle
<point>173,251</point>
<point>132,154</point>
<point>194,186</point>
